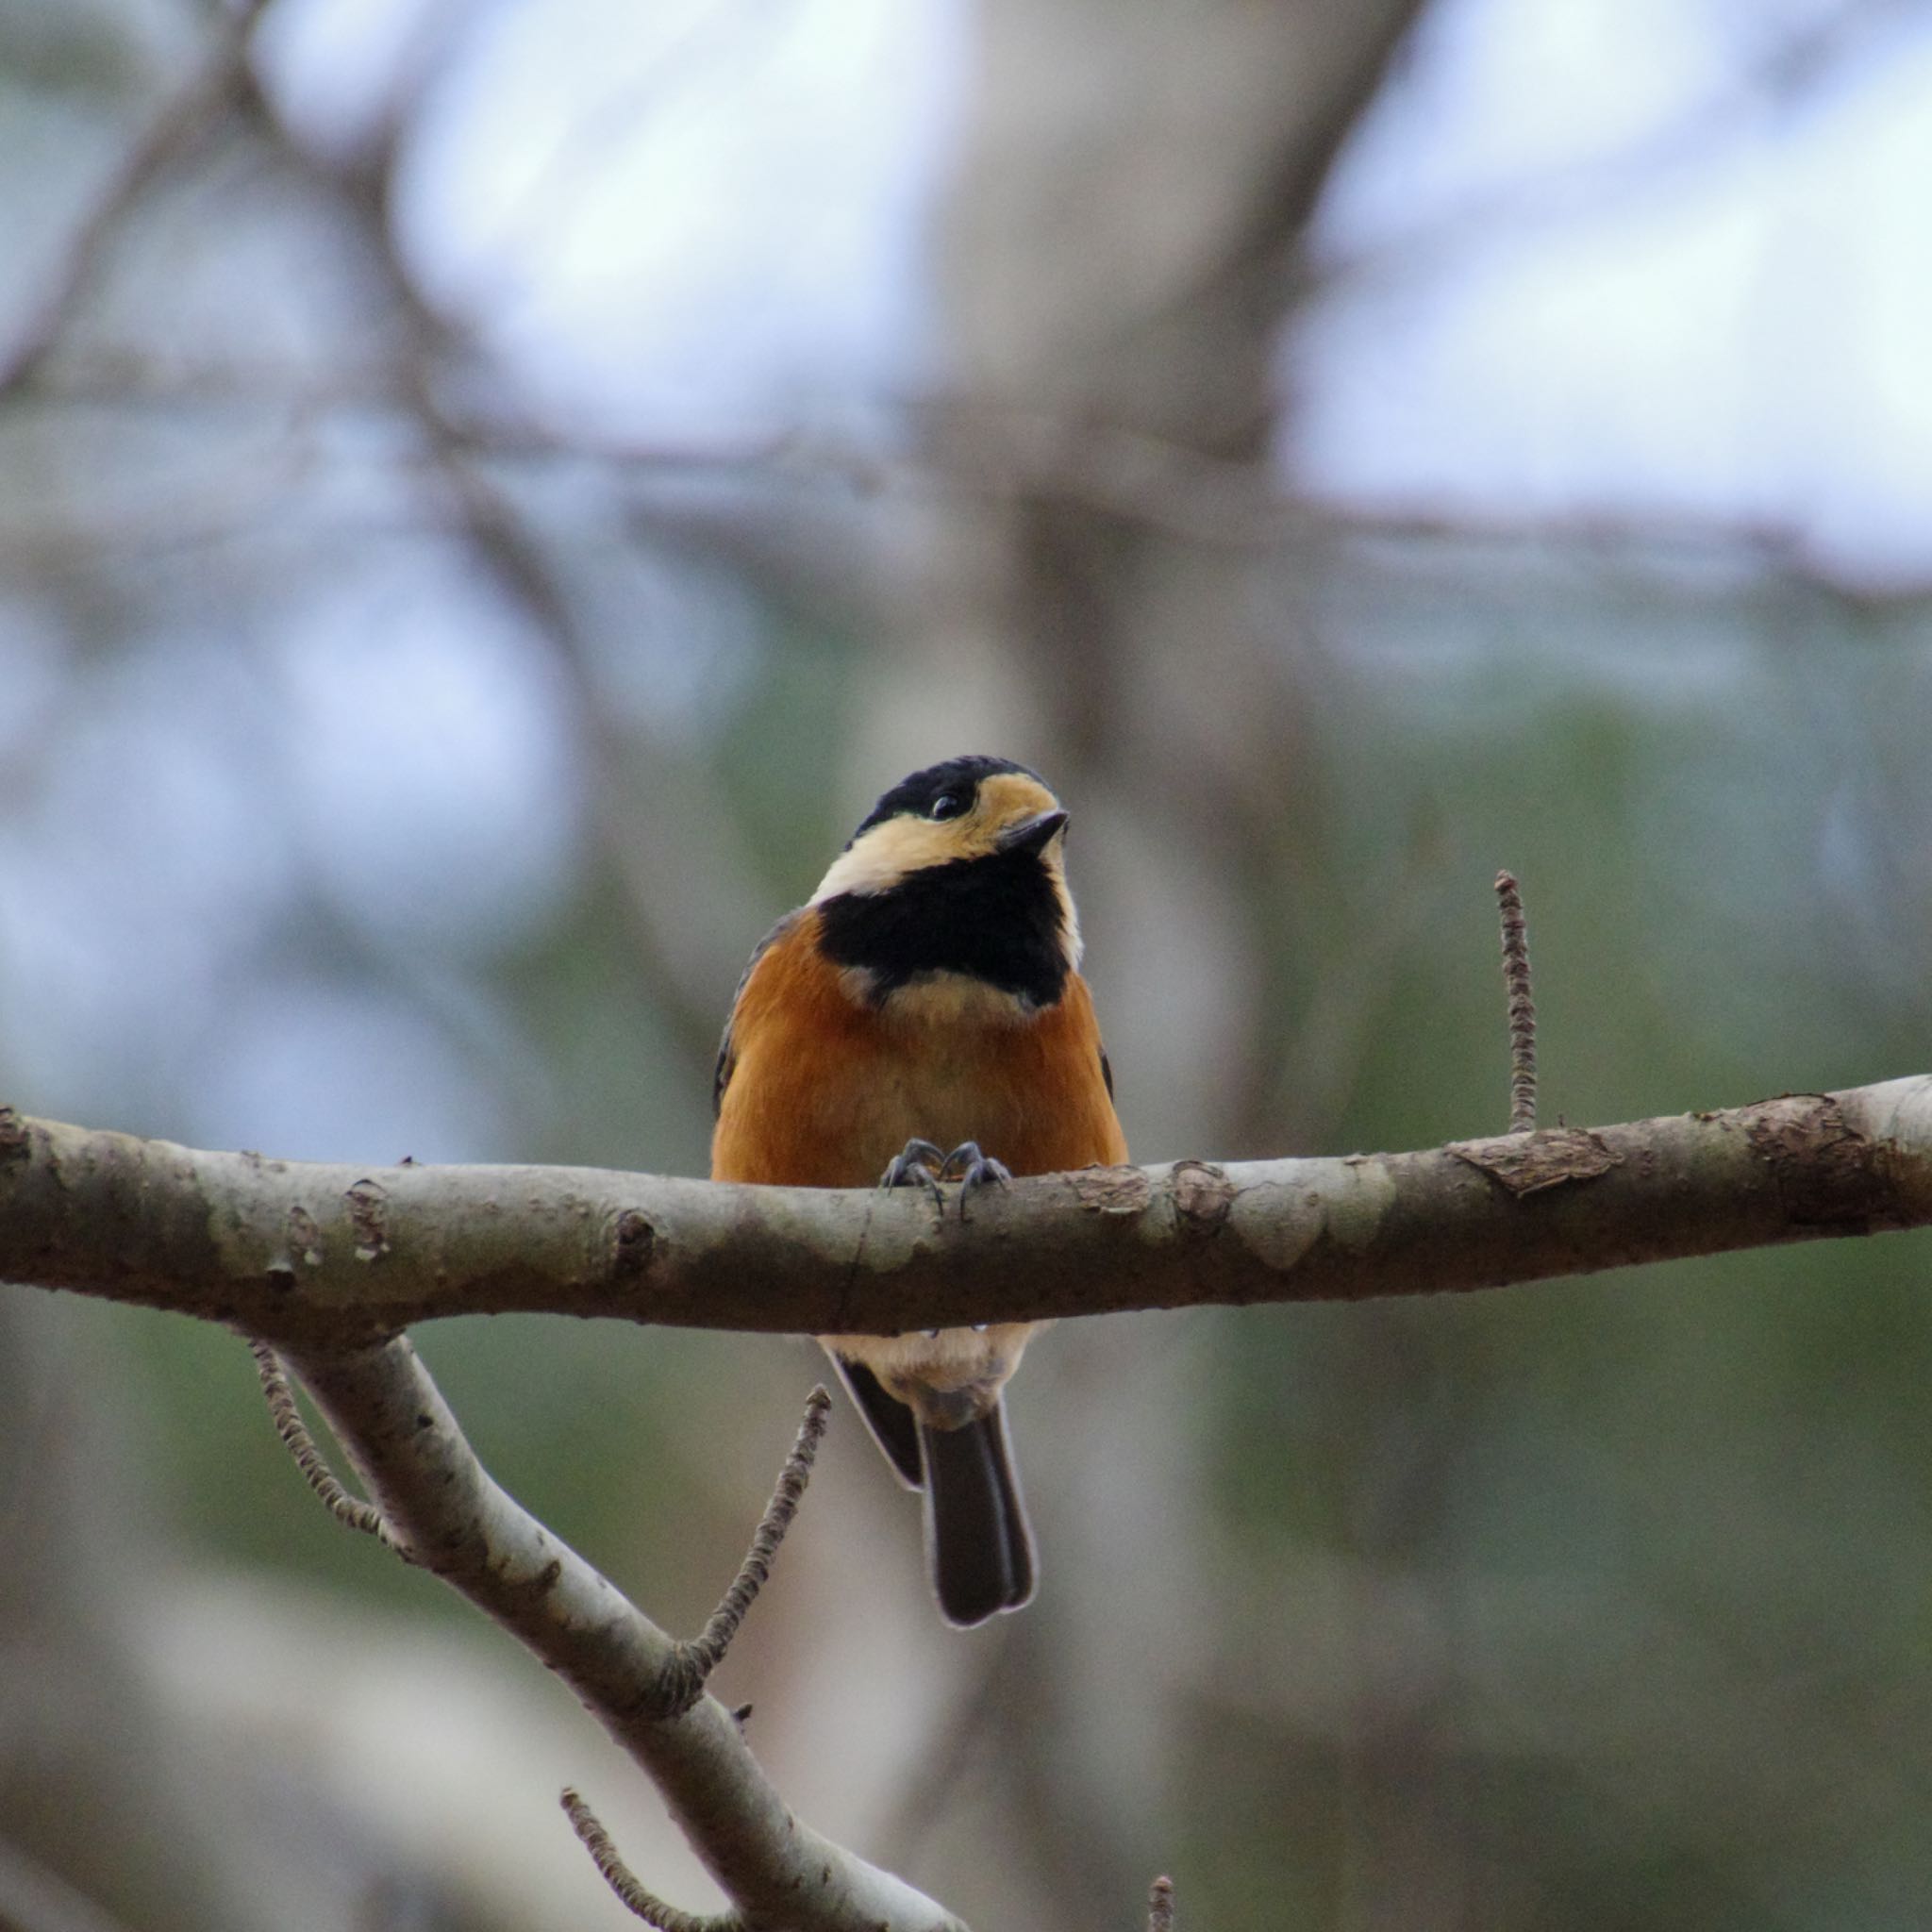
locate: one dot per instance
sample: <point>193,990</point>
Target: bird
<point>923,1019</point>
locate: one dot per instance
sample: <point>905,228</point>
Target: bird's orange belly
<point>829,1089</point>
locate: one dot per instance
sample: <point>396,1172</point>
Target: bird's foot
<point>972,1169</point>
<point>918,1164</point>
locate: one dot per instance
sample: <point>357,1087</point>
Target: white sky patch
<point>1860,421</point>
<point>1493,95</point>
<point>703,212</point>
<point>333,1070</point>
<point>1732,321</point>
<point>426,755</point>
<point>1623,263</point>
<point>1538,371</point>
<point>137,859</point>
<point>336,65</point>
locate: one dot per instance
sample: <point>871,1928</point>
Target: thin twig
<point>1160,1905</point>
<point>623,1881</point>
<point>1180,491</point>
<point>685,1678</point>
<point>280,1396</point>
<point>1522,1007</point>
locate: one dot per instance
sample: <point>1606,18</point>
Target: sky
<point>1602,262</point>
<point>1609,257</point>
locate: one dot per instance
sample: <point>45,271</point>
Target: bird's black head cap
<point>917,795</point>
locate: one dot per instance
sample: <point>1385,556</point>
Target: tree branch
<point>298,1252</point>
<point>456,1520</point>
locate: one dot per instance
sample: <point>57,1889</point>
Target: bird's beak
<point>1034,834</point>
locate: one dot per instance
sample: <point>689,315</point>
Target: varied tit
<point>929,999</point>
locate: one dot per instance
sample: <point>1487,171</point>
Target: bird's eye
<point>948,804</point>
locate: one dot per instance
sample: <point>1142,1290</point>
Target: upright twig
<point>1522,1007</point>
<point>280,1396</point>
<point>686,1676</point>
<point>1160,1905</point>
<point>626,1883</point>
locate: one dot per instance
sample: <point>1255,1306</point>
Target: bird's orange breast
<point>827,1087</point>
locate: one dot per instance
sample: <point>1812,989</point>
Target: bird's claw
<point>967,1165</point>
<point>972,1169</point>
<point>918,1164</point>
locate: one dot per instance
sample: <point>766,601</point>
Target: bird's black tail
<point>976,1537</point>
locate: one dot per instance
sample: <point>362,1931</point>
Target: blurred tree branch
<point>181,125</point>
<point>423,382</point>
<point>970,452</point>
<point>325,1254</point>
<point>35,1898</point>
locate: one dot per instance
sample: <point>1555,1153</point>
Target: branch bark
<point>329,1256</point>
<point>441,1505</point>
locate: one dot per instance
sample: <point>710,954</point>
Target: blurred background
<point>489,492</point>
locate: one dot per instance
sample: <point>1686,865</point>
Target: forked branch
<point>287,1417</point>
<point>442,1504</point>
<point>183,122</point>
